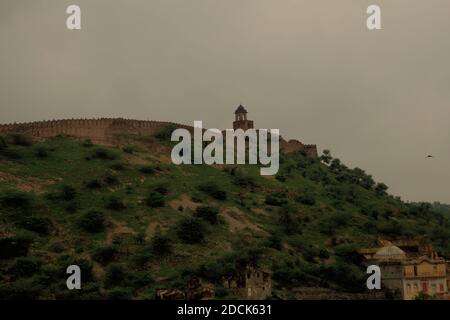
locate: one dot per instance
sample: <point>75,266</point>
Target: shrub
<point>288,220</point>
<point>214,190</point>
<point>22,289</point>
<point>390,228</point>
<point>67,193</point>
<point>110,178</point>
<point>12,154</point>
<point>118,166</point>
<point>207,213</point>
<point>105,255</point>
<point>15,199</point>
<point>25,267</point>
<point>348,252</point>
<point>147,170</point>
<point>275,242</point>
<point>104,154</point>
<point>115,275</point>
<point>92,221</point>
<point>197,198</point>
<point>245,181</point>
<point>165,133</point>
<point>289,275</point>
<point>41,225</point>
<point>162,188</point>
<point>20,139</point>
<point>380,189</point>
<point>94,184</point>
<point>140,259</point>
<point>41,152</point>
<point>72,206</point>
<point>128,149</point>
<point>87,143</point>
<point>307,198</point>
<point>190,230</point>
<point>276,199</point>
<point>15,246</point>
<point>115,203</point>
<point>63,193</point>
<point>327,226</point>
<point>160,245</point>
<point>140,279</point>
<point>347,276</point>
<point>155,200</point>
<point>119,294</point>
<point>3,144</point>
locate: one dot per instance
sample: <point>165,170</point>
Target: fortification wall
<point>102,130</point>
<point>98,130</point>
<point>296,146</point>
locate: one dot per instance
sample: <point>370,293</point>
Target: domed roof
<point>390,252</point>
<point>241,109</point>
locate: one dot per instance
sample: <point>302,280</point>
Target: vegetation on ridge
<point>135,222</point>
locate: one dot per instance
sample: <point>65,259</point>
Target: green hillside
<point>135,222</point>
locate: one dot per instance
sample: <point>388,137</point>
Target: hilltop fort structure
<point>103,130</point>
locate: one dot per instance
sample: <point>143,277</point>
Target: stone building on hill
<point>250,283</point>
<point>408,273</point>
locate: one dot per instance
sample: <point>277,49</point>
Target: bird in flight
<point>429,156</point>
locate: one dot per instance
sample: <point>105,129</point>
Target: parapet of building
<point>249,282</point>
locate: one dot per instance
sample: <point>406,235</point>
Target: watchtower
<point>241,121</point>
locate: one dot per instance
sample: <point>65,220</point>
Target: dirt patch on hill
<point>136,159</point>
<point>151,230</point>
<point>260,211</point>
<point>237,220</point>
<point>28,184</point>
<point>118,228</point>
<point>98,270</point>
<point>184,201</point>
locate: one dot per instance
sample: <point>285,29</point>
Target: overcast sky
<point>379,100</point>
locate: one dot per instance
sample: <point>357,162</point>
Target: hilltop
<point>136,223</point>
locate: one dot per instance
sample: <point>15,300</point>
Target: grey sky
<point>379,100</point>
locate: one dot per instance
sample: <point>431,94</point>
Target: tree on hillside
<point>381,189</point>
<point>326,156</point>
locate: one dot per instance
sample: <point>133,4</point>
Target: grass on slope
<point>129,219</point>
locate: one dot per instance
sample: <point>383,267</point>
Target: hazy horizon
<point>379,100</point>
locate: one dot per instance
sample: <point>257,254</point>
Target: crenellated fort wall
<point>102,130</point>
<point>98,130</point>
